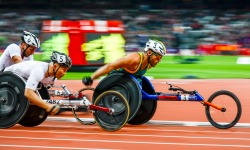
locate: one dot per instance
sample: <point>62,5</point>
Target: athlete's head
<point>61,63</point>
<point>29,43</point>
<point>155,50</point>
<point>155,46</point>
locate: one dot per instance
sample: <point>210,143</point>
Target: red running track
<point>157,134</point>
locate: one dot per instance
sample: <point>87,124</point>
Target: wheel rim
<point>115,121</point>
<point>8,101</point>
<point>124,84</point>
<point>227,119</point>
<point>13,102</point>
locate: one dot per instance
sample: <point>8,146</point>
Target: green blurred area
<point>206,67</point>
<point>174,67</point>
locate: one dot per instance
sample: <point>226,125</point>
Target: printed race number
<point>53,101</point>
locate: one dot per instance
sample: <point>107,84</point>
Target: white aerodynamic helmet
<point>30,39</point>
<point>156,46</point>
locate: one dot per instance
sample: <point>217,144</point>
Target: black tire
<point>36,115</point>
<point>124,84</point>
<point>86,89</point>
<point>147,108</point>
<point>213,115</point>
<point>145,113</point>
<point>120,116</point>
<point>13,102</point>
<point>82,110</point>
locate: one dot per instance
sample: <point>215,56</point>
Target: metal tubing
<point>147,96</point>
<point>167,98</point>
<point>213,105</point>
<point>105,109</point>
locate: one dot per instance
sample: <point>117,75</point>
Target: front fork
<point>206,103</point>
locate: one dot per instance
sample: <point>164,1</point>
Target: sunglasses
<point>156,54</point>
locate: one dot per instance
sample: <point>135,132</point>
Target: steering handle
<point>180,89</point>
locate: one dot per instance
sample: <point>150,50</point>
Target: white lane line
<point>190,123</point>
<point>130,135</point>
<point>127,129</point>
<point>189,131</point>
<point>50,147</point>
<point>153,122</point>
<point>129,142</point>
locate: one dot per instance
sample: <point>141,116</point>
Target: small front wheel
<point>82,111</point>
<point>230,113</point>
<point>119,117</point>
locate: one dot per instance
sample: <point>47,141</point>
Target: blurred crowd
<point>176,28</point>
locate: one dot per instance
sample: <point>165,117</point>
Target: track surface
<point>175,125</point>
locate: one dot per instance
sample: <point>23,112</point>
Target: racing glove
<point>87,81</point>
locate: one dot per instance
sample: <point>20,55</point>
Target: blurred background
<point>95,32</point>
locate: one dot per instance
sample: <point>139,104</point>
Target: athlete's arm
<point>35,77</point>
<point>34,98</point>
<point>126,62</point>
<point>14,52</point>
<point>16,59</point>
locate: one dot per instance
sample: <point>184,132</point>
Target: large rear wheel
<point>36,115</point>
<point>13,104</point>
<point>127,85</point>
<point>118,118</point>
<point>147,108</point>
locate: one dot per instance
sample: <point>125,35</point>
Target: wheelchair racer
<point>16,53</point>
<point>46,73</point>
<point>136,63</point>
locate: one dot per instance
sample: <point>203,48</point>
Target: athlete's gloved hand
<point>87,81</point>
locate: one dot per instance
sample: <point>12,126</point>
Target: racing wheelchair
<point>117,99</point>
<point>223,108</point>
<point>110,109</point>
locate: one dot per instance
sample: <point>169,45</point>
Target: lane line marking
<point>218,131</point>
<point>131,142</point>
<point>153,122</point>
<point>51,147</point>
<point>132,135</point>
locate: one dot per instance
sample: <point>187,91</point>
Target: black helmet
<point>30,39</point>
<point>61,58</point>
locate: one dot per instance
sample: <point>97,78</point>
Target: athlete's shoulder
<point>133,55</point>
<point>38,62</point>
<point>13,49</point>
<point>33,63</point>
<point>133,59</point>
<point>13,45</point>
